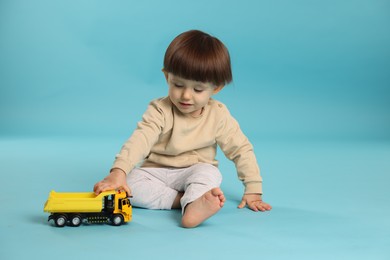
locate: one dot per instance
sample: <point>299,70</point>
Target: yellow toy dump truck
<point>73,208</point>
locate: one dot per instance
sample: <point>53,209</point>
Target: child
<point>176,140</point>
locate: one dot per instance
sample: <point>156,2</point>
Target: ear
<point>217,89</point>
<point>165,74</point>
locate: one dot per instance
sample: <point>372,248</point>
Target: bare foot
<point>202,208</point>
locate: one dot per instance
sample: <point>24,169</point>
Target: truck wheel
<point>60,220</point>
<point>117,219</point>
<point>75,221</point>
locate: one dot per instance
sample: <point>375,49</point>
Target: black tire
<point>60,220</point>
<point>75,220</point>
<point>117,220</point>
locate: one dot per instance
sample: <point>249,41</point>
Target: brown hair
<point>198,56</point>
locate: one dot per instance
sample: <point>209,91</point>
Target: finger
<point>260,207</point>
<point>103,186</point>
<point>242,204</point>
<point>100,189</point>
<point>127,190</point>
<point>253,206</point>
<point>263,206</point>
<point>267,206</point>
<point>100,186</point>
<point>97,188</point>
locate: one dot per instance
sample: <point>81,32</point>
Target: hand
<point>115,180</point>
<point>254,202</point>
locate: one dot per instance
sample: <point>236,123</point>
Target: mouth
<point>183,104</point>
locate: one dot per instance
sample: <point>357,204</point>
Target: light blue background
<point>311,90</point>
<point>301,68</point>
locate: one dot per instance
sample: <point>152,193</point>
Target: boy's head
<point>198,56</point>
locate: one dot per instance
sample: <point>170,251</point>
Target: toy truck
<point>74,208</point>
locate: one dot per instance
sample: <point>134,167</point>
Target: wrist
<point>117,171</point>
<point>254,195</point>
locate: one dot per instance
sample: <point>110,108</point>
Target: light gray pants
<point>157,188</point>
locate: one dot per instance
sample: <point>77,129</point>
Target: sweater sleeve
<point>138,146</point>
<point>237,148</point>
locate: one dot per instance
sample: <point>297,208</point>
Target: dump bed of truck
<point>75,202</point>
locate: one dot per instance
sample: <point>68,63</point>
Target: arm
<point>136,148</point>
<point>237,148</point>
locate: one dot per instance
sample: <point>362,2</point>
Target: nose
<point>186,94</point>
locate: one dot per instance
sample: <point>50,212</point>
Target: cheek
<point>203,99</point>
<point>171,92</point>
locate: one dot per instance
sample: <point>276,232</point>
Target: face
<point>189,96</point>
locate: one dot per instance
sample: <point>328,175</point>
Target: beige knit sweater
<point>167,138</point>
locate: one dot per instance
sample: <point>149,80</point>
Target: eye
<point>178,85</point>
<point>198,90</point>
